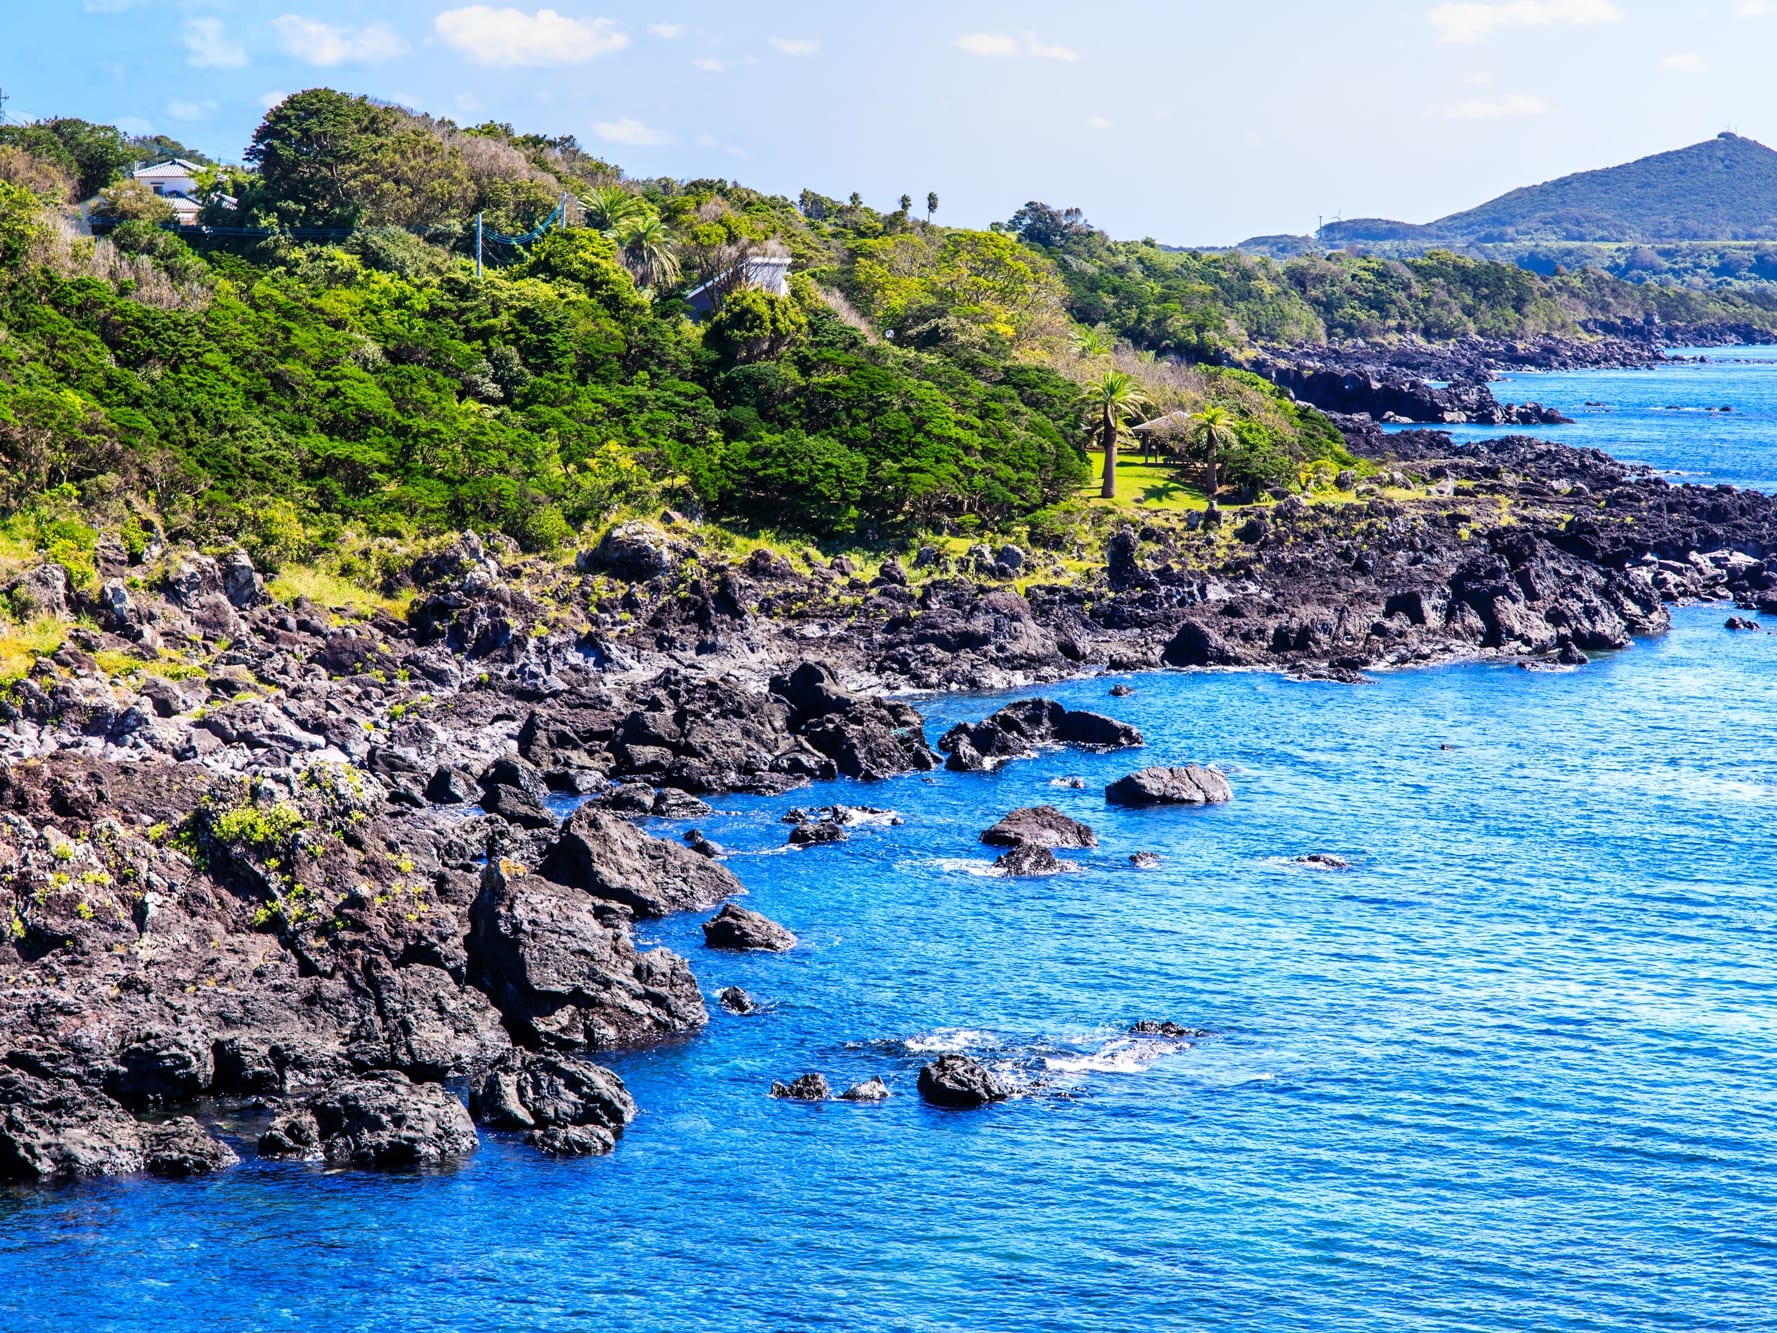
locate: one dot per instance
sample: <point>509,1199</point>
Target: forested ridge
<point>265,384</point>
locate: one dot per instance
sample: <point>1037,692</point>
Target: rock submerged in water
<point>377,1119</point>
<point>870,1090</point>
<point>1145,860</point>
<point>808,1088</point>
<point>1039,826</point>
<point>1323,861</point>
<point>1025,862</point>
<point>737,929</point>
<point>1191,785</point>
<point>818,833</point>
<point>1152,1027</point>
<point>957,1082</point>
<point>735,1000</point>
<point>1739,624</point>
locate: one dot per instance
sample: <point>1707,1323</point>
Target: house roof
<point>767,272</point>
<point>1170,424</point>
<point>173,168</point>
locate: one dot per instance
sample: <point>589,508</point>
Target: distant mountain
<point>1724,189</point>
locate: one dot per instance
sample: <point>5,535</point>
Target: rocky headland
<point>320,861</point>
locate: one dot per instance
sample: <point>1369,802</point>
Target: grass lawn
<point>1145,486</point>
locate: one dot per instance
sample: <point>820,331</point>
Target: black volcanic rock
<point>738,929</point>
<point>1039,826</point>
<point>1190,785</point>
<point>957,1082</point>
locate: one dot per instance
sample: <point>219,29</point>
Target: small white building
<point>769,273</point>
<point>175,180</point>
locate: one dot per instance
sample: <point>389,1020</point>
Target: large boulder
<point>610,858</point>
<point>42,590</point>
<point>738,929</point>
<point>958,1082</point>
<point>563,969</point>
<point>634,552</point>
<point>567,1107</point>
<point>1190,785</point>
<point>1039,826</point>
<point>376,1119</point>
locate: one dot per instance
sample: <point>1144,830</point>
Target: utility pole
<point>478,245</point>
<point>2,106</point>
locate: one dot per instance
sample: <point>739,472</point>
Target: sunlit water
<point>1670,417</point>
<point>1511,1070</point>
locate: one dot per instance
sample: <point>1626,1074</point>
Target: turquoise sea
<point>1511,1070</point>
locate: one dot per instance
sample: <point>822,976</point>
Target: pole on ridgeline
<point>478,245</point>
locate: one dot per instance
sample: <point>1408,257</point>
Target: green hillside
<point>1724,189</point>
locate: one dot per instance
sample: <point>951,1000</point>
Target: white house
<point>175,180</point>
<point>769,273</point>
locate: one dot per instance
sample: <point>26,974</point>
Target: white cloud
<point>1041,52</point>
<point>1470,21</point>
<point>271,99</point>
<point>795,46</point>
<point>329,44</point>
<point>1751,9</point>
<point>183,110</point>
<point>511,38</point>
<point>1003,44</point>
<point>1098,122</point>
<point>629,131</point>
<point>709,66</point>
<point>988,44</point>
<point>1514,104</point>
<point>1688,61</point>
<point>207,46</point>
<point>667,30</point>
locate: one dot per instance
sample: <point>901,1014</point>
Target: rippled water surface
<point>1670,418</point>
<point>1511,1070</point>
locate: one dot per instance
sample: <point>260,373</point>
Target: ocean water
<point>1669,417</point>
<point>1511,1070</point>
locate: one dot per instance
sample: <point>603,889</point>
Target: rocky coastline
<point>278,856</point>
<point>1449,383</point>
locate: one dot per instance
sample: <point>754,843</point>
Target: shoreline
<point>263,878</point>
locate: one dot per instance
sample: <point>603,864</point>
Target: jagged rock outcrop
<point>563,969</point>
<point>608,857</point>
<point>1015,732</point>
<point>738,929</point>
<point>566,1107</point>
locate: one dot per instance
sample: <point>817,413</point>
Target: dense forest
<point>323,360</point>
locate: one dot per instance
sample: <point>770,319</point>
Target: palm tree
<point>1091,342</point>
<point>1212,430</point>
<point>931,205</point>
<point>609,206</point>
<point>646,247</point>
<point>1114,398</point>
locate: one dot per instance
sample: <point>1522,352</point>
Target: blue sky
<point>1193,121</point>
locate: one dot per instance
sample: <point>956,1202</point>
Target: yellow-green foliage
<point>22,645</point>
<point>331,591</point>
